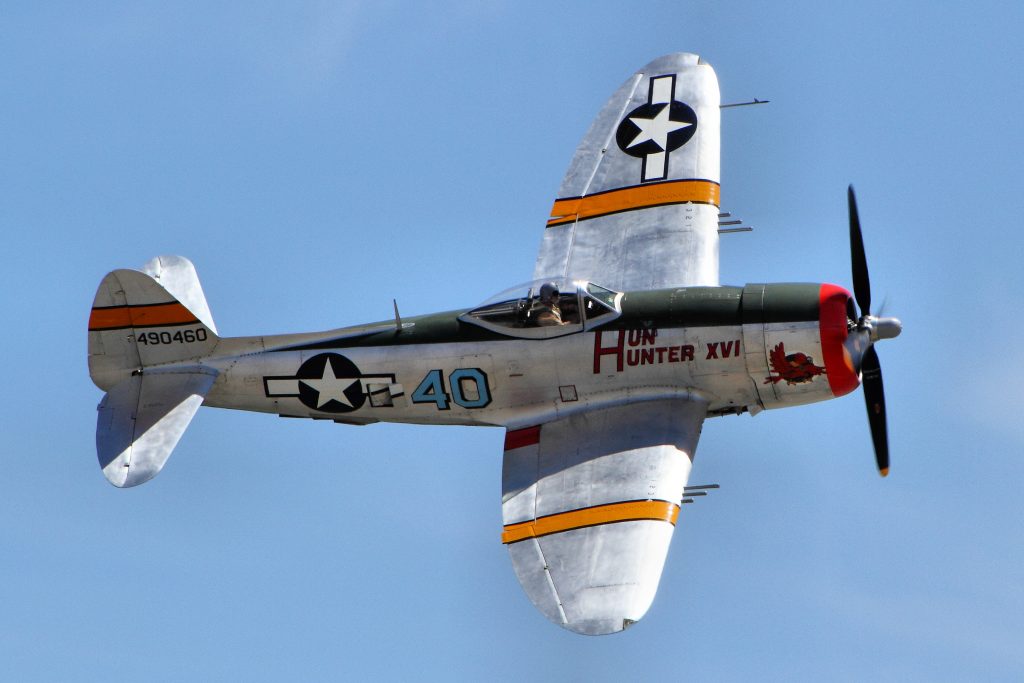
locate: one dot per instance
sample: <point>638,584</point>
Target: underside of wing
<point>589,503</point>
<point>638,207</point>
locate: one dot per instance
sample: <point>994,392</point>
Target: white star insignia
<point>331,388</point>
<point>656,129</point>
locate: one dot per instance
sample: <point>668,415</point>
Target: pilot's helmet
<point>548,291</point>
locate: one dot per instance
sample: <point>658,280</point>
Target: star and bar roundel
<point>652,131</point>
<point>328,382</point>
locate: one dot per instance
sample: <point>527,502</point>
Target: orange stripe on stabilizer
<point>154,315</point>
<point>574,209</point>
<point>629,511</point>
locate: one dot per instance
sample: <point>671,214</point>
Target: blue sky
<point>317,160</point>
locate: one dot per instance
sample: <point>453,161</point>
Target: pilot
<point>546,310</point>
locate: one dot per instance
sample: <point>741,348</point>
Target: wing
<point>589,503</point>
<point>638,208</point>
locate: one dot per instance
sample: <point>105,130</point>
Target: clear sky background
<point>316,160</point>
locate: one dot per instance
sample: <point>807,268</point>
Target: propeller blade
<point>861,282</point>
<point>874,396</point>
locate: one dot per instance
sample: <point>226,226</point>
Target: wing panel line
<point>637,79</point>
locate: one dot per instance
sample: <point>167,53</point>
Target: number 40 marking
<point>432,389</point>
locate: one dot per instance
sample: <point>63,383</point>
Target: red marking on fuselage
<point>518,438</point>
<point>729,349</point>
<point>795,368</point>
<point>644,337</point>
<point>616,351</point>
<point>647,354</point>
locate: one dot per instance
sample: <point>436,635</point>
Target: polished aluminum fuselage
<point>441,370</point>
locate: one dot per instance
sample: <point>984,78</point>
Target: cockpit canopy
<point>546,308</point>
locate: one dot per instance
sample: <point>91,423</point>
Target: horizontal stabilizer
<point>141,420</point>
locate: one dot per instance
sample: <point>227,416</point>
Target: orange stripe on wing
<point>628,511</point>
<point>152,315</point>
<point>631,198</point>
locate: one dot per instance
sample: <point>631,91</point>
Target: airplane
<point>601,369</point>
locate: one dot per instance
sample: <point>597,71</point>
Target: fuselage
<point>738,348</point>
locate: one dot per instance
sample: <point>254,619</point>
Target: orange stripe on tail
<point>152,315</point>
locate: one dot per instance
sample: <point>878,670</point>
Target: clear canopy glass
<point>546,308</point>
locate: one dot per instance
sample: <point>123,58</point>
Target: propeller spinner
<point>868,330</point>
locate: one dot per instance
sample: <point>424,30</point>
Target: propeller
<point>858,260</point>
<point>869,329</point>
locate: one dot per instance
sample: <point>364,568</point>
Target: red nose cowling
<point>842,377</point>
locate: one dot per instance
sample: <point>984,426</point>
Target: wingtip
<point>599,627</point>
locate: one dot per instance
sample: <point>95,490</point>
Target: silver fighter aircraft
<point>602,369</point>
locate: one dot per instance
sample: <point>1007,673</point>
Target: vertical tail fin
<point>138,322</point>
<point>178,276</point>
<point>144,329</point>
